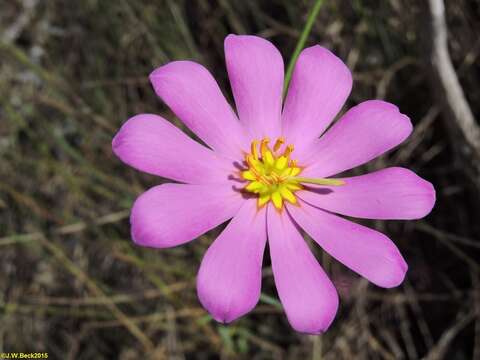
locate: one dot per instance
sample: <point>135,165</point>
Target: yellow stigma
<point>273,176</point>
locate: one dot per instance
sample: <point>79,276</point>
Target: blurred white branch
<point>447,84</point>
<point>13,32</point>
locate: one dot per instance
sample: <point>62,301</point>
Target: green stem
<point>301,42</point>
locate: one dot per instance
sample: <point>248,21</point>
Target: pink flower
<point>271,189</point>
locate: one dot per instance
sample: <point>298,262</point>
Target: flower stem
<point>301,42</point>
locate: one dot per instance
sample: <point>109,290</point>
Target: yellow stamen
<point>264,146</point>
<point>254,149</point>
<point>277,200</point>
<point>280,141</point>
<point>288,150</point>
<point>266,180</point>
<point>273,176</point>
<point>263,199</point>
<point>281,163</point>
<point>293,187</point>
<point>268,158</point>
<point>295,171</point>
<point>255,186</point>
<point>277,179</point>
<point>288,195</point>
<point>254,164</point>
<point>249,175</point>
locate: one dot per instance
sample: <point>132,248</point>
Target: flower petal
<point>172,214</point>
<point>392,193</point>
<point>150,143</point>
<point>320,85</point>
<point>363,133</point>
<point>255,69</point>
<point>194,96</point>
<point>229,280</point>
<point>365,251</point>
<point>307,294</point>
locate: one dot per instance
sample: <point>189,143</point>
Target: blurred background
<point>72,283</point>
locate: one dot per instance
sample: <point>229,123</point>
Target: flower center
<point>273,175</point>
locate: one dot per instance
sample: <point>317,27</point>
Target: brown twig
<point>58,253</point>
<point>439,350</point>
<point>66,229</point>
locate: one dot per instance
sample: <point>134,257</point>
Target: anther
<point>255,172</point>
<point>280,141</point>
<point>251,161</point>
<point>273,175</point>
<point>275,178</point>
<point>254,149</point>
<point>265,180</point>
<point>288,150</point>
<point>264,146</point>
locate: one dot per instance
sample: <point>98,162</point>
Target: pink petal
<point>255,69</point>
<point>320,85</point>
<point>194,96</point>
<point>392,193</point>
<point>229,279</point>
<point>172,214</point>
<point>307,294</point>
<point>365,251</point>
<point>363,133</point>
<point>150,143</point>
